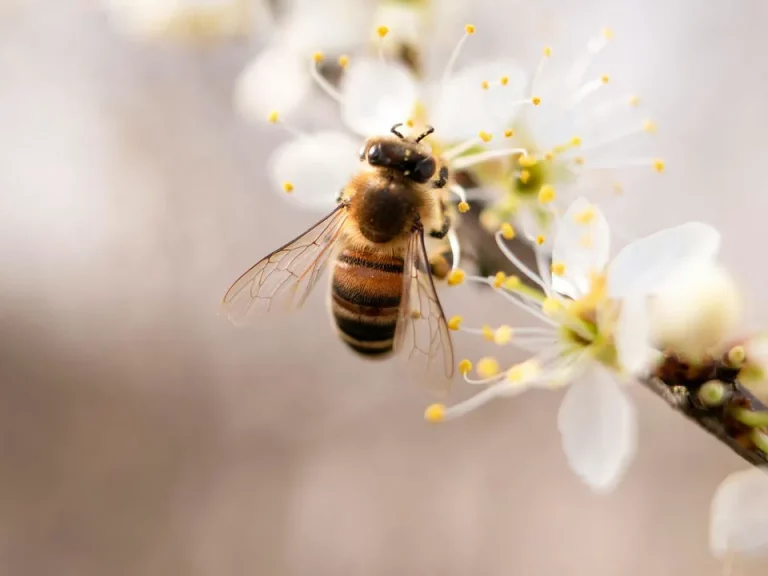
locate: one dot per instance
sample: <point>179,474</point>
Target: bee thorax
<point>385,209</point>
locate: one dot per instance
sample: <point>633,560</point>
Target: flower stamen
<point>321,82</point>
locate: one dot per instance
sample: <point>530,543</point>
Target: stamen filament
<point>468,31</point>
<point>517,262</point>
<point>544,272</point>
<point>594,47</point>
<point>459,149</point>
<point>459,191</point>
<point>617,137</point>
<point>472,160</point>
<point>586,90</point>
<point>324,85</point>
<point>453,242</point>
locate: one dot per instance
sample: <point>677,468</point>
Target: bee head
<point>408,157</point>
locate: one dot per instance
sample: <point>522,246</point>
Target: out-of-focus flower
<point>188,20</point>
<point>596,328</point>
<point>375,94</point>
<point>573,137</point>
<point>739,515</point>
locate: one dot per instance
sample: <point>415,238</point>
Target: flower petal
<point>739,514</point>
<point>582,245</point>
<point>462,108</point>
<point>597,423</point>
<point>316,166</point>
<point>277,79</point>
<point>330,25</point>
<point>644,265</point>
<point>632,336</point>
<point>376,95</point>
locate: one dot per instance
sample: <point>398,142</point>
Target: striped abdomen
<point>365,297</point>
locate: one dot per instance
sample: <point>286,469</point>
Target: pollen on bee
<point>273,117</point>
<point>434,413</point>
<point>649,126</point>
<point>469,28</point>
<point>485,136</point>
<point>463,207</point>
<point>535,100</point>
<point>487,332</point>
<point>498,279</point>
<point>509,133</point>
<point>456,277</point>
<point>415,313</point>
<point>504,80</point>
<point>585,216</point>
<point>658,165</point>
<point>558,268</point>
<point>287,187</point>
<point>465,367</point>
<point>547,51</point>
<point>605,78</point>
<point>485,84</point>
<point>503,335</point>
<point>547,194</point>
<point>525,175</point>
<point>382,31</point>
<point>508,231</point>
<point>454,323</point>
<point>540,239</point>
<point>487,367</point>
<point>343,60</point>
<point>318,57</point>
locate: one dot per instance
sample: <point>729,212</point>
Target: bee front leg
<point>444,228</point>
<point>441,262</point>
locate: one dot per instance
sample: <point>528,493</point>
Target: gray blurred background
<point>142,434</point>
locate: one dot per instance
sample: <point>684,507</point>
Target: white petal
<point>277,79</point>
<point>330,25</point>
<point>739,514</point>
<point>462,108</point>
<point>377,95</point>
<point>597,423</point>
<point>632,336</point>
<point>318,166</point>
<point>644,265</point>
<point>582,247</point>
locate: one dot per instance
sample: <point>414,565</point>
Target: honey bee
<point>382,296</point>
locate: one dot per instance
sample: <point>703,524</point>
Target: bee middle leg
<point>441,262</point>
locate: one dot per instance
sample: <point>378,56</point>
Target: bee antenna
<point>395,132</point>
<point>426,133</point>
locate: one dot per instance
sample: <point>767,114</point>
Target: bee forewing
<point>283,280</point>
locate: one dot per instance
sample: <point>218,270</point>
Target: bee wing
<point>284,279</point>
<point>421,327</point>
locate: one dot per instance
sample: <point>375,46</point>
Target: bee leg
<point>443,230</point>
<point>340,196</point>
<point>441,262</point>
<point>442,178</point>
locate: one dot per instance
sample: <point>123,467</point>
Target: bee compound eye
<point>424,170</point>
<point>375,154</point>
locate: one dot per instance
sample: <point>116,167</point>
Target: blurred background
<point>141,433</point>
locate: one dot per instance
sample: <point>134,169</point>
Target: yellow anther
<point>454,323</point>
<point>509,133</point>
<point>498,279</point>
<point>605,78</point>
<point>535,100</point>
<point>607,33</point>
<point>318,57</point>
<point>634,100</point>
<point>525,176</point>
<point>547,51</point>
<point>526,161</point>
<point>409,122</point>
<point>485,136</point>
<point>523,372</point>
<point>579,160</point>
<point>487,367</point>
<point>273,117</point>
<point>512,283</point>
<point>558,268</point>
<point>547,194</point>
<point>550,306</point>
<point>434,413</point>
<point>456,277</point>
<point>649,126</point>
<point>463,207</point>
<point>504,80</point>
<point>559,149</point>
<point>485,84</point>
<point>618,189</point>
<point>382,31</point>
<point>548,155</point>
<point>503,335</point>
<point>508,231</point>
<point>736,356</point>
<point>287,187</point>
<point>487,332</point>
<point>343,60</point>
<point>465,366</point>
<point>658,165</point>
<point>469,28</point>
<point>540,239</point>
<point>585,216</point>
<point>575,141</point>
